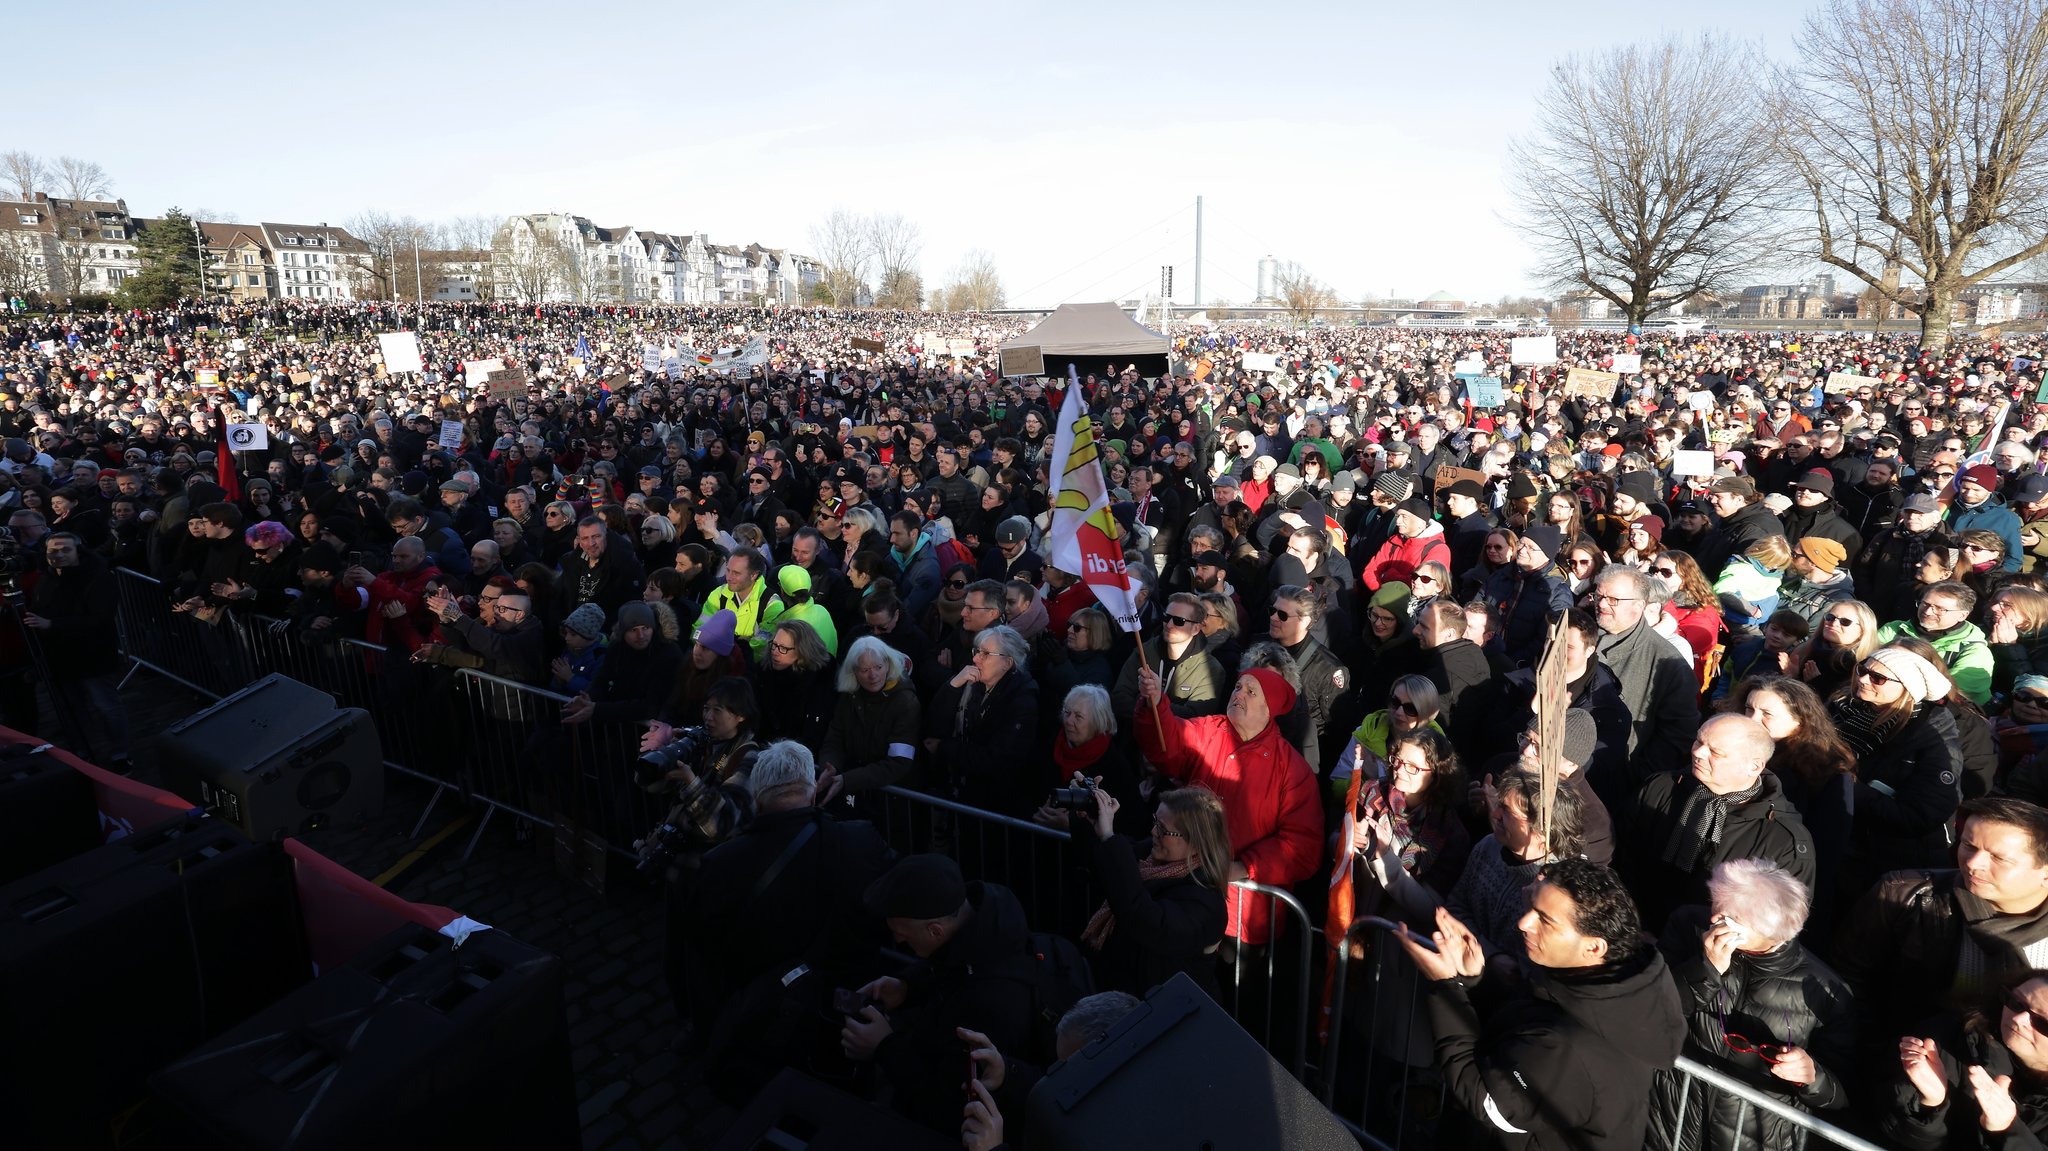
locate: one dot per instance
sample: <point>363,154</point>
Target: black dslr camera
<point>652,766</point>
<point>1078,798</point>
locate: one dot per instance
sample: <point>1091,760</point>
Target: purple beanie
<point>717,632</point>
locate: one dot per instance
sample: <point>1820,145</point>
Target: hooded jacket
<point>1398,558</point>
<point>1567,1063</point>
<point>1269,800</point>
<point>1962,650</point>
<point>1993,515</point>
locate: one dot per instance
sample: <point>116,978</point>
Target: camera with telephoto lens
<point>654,765</point>
<point>1080,797</point>
<point>657,847</point>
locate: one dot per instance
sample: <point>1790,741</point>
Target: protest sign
<point>451,435</point>
<point>650,359</point>
<point>1589,384</point>
<point>301,379</point>
<point>1023,361</point>
<point>1692,463</point>
<point>863,344</point>
<point>1532,350</point>
<point>958,346</point>
<point>1700,401</point>
<point>206,378</point>
<point>248,437</point>
<point>401,351</point>
<point>475,372</point>
<point>1261,362</point>
<point>1484,391</point>
<point>1628,363</point>
<point>1445,477</point>
<point>1848,382</point>
<point>506,382</point>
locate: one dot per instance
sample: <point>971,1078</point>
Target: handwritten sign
<point>1848,382</point>
<point>505,383</point>
<point>301,379</point>
<point>863,344</point>
<point>1261,362</point>
<point>451,435</point>
<point>1445,477</point>
<point>1627,364</point>
<point>1023,361</point>
<point>1484,391</point>
<point>475,372</point>
<point>1692,463</point>
<point>1534,351</point>
<point>1589,384</point>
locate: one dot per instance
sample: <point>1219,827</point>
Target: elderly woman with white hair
<point>1085,747</point>
<point>871,742</point>
<point>1759,1008</point>
<point>982,727</point>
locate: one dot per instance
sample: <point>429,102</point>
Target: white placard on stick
<point>1692,463</point>
<point>475,372</point>
<point>401,352</point>
<point>451,435</point>
<point>1532,350</point>
<point>1625,364</point>
<point>248,437</point>
<point>1260,362</point>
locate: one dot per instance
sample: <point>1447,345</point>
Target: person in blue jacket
<point>1979,507</point>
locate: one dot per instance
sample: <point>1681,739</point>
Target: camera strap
<point>783,861</point>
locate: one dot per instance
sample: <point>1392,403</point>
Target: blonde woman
<point>1164,911</point>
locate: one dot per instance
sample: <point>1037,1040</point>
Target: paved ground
<point>620,1016</point>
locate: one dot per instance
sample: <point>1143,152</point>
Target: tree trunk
<point>1934,318</point>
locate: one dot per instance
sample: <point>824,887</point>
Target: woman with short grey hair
<point>872,739</point>
<point>983,733</point>
<point>1759,1008</point>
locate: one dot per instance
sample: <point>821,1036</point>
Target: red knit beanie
<point>1279,696</point>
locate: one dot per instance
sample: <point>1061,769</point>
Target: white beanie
<point>1922,680</point>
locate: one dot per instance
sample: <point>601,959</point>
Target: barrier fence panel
<point>1379,1075</point>
<point>173,644</point>
<point>1266,986</point>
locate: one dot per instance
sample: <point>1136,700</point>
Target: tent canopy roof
<point>1076,330</point>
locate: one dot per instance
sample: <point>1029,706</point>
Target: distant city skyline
<point>1069,142</point>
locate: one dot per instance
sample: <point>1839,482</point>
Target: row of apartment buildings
<point>74,248</point>
<point>1819,299</point>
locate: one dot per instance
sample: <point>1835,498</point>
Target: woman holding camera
<point>1164,911</point>
<point>709,771</point>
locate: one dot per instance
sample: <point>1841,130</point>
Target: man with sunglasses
<point>1325,684</point>
<point>1192,681</point>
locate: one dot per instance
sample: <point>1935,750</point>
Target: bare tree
<point>393,263</point>
<point>1645,181</point>
<point>20,275</point>
<point>1917,128</point>
<point>26,171</point>
<point>529,265</point>
<point>1304,296</point>
<point>841,241</point>
<point>83,179</point>
<point>896,244</point>
<point>471,233</point>
<point>976,285</point>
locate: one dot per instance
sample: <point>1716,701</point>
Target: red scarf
<point>1072,759</point>
<point>1104,921</point>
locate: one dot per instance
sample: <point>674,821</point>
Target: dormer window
<point>30,217</point>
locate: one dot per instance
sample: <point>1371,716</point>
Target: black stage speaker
<point>48,812</point>
<point>415,1043</point>
<point>798,1113</point>
<point>276,759</point>
<point>117,961</point>
<point>1178,1072</point>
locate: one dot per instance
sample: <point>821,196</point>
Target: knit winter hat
<point>1983,475</point>
<point>2031,683</point>
<point>1581,737</point>
<point>1279,696</point>
<point>1825,554</point>
<point>1916,675</point>
<point>1547,538</point>
<point>717,633</point>
<point>586,621</point>
<point>1651,524</point>
<point>632,614</point>
<point>1396,598</point>
<point>1392,485</point>
<point>1521,487</point>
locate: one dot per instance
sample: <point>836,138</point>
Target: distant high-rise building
<point>1269,278</point>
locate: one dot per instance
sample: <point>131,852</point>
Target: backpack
<point>951,554</point>
<point>1057,974</point>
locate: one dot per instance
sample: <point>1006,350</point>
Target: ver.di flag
<point>1085,537</point>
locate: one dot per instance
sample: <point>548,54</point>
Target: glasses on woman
<point>1404,706</point>
<point>956,584</point>
<point>2030,698</point>
<point>1421,579</point>
<point>1841,621</point>
<point>1666,572</point>
<point>1865,671</point>
<point>1161,831</point>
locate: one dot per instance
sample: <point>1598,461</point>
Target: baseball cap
<point>1014,530</point>
<point>1920,502</point>
<point>1213,559</point>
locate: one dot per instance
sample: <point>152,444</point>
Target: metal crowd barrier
<point>1361,1098</point>
<point>1268,987</point>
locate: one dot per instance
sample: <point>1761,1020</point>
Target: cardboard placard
<point>1692,463</point>
<point>1261,362</point>
<point>451,435</point>
<point>1485,391</point>
<point>1849,382</point>
<point>864,431</point>
<point>1023,362</point>
<point>1445,477</point>
<point>506,382</point>
<point>863,344</point>
<point>1627,364</point>
<point>301,379</point>
<point>1534,351</point>
<point>401,352</point>
<point>475,372</point>
<point>1589,384</point>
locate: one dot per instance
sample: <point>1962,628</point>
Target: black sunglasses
<point>1405,707</point>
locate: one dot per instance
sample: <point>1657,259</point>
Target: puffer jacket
<point>1524,602</point>
<point>1906,790</point>
<point>1786,996</point>
<point>1398,558</point>
<point>1963,651</point>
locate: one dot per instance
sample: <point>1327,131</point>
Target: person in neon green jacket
<point>1943,620</point>
<point>795,583</point>
<point>1412,702</point>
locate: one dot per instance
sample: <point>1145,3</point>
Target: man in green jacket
<point>1944,621</point>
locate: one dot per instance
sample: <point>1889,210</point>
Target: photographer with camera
<point>770,923</point>
<point>70,620</point>
<point>707,766</point>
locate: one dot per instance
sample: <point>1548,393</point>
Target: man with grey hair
<point>1729,806</point>
<point>773,915</point>
<point>1657,684</point>
<point>1000,1081</point>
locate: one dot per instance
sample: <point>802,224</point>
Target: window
<point>30,217</point>
<point>248,257</point>
<point>293,240</point>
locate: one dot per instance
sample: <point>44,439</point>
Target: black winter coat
<point>1752,524</point>
<point>1163,926</point>
<point>1766,827</point>
<point>1906,789</point>
<point>1570,1061</point>
<point>1787,997</point>
<point>872,739</point>
<point>79,602</point>
<point>796,704</point>
<point>988,749</point>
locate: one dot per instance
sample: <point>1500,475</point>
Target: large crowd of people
<point>1797,834</point>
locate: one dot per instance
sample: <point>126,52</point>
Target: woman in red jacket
<point>1269,794</point>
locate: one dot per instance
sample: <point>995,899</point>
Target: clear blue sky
<point>1364,141</point>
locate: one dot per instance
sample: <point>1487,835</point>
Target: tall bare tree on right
<point>1645,181</point>
<point>1919,130</point>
